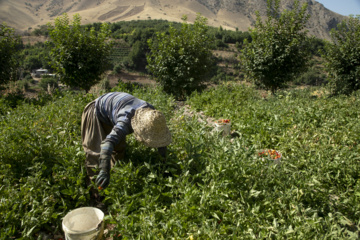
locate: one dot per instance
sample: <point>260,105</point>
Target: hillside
<point>230,14</point>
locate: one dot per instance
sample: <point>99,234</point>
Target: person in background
<point>107,121</point>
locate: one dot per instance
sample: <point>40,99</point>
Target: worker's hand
<point>103,179</point>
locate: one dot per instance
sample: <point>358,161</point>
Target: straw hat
<point>150,128</point>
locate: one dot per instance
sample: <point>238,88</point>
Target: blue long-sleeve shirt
<point>116,109</point>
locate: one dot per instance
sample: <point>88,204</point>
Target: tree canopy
<point>279,50</point>
<point>8,50</point>
<point>79,55</point>
<point>181,60</point>
<point>342,57</point>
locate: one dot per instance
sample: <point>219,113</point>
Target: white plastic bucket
<point>84,224</point>
<point>223,127</point>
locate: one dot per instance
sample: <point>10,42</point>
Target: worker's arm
<point>117,135</point>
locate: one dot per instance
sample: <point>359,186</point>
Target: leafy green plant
<point>209,187</point>
<point>8,51</point>
<point>315,150</point>
<point>23,84</point>
<point>48,81</point>
<point>181,60</point>
<point>279,50</point>
<point>79,56</point>
<point>342,57</point>
<point>313,77</point>
<point>118,68</point>
<point>42,174</point>
<point>136,59</point>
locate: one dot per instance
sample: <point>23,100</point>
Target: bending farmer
<point>105,123</point>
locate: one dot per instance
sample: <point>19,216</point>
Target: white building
<point>41,71</point>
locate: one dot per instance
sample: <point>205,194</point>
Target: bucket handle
<point>99,225</point>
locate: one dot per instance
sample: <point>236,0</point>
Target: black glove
<point>103,179</point>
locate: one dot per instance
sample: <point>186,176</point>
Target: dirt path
<point>132,77</point>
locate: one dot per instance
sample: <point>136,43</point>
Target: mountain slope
<point>230,14</point>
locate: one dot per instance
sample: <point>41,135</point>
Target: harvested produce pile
<point>269,153</point>
<point>222,121</point>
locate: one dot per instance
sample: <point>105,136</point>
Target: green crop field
<point>119,53</point>
<point>210,187</point>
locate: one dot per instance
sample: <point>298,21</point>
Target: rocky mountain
<point>24,15</point>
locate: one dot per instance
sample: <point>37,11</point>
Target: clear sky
<point>343,7</point>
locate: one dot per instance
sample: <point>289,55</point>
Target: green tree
<point>279,51</point>
<point>32,62</point>
<point>79,55</point>
<point>181,60</point>
<point>137,58</point>
<point>342,57</point>
<point>8,53</point>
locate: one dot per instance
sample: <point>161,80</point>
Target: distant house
<point>41,71</point>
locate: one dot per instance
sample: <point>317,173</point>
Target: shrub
<point>219,44</point>
<point>28,77</point>
<point>79,55</point>
<point>343,57</point>
<point>312,77</point>
<point>13,99</point>
<point>23,84</point>
<point>181,60</point>
<point>118,68</point>
<point>48,81</point>
<point>136,59</point>
<point>8,51</point>
<point>279,51</point>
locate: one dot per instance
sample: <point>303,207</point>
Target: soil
<point>132,77</point>
<point>129,77</point>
